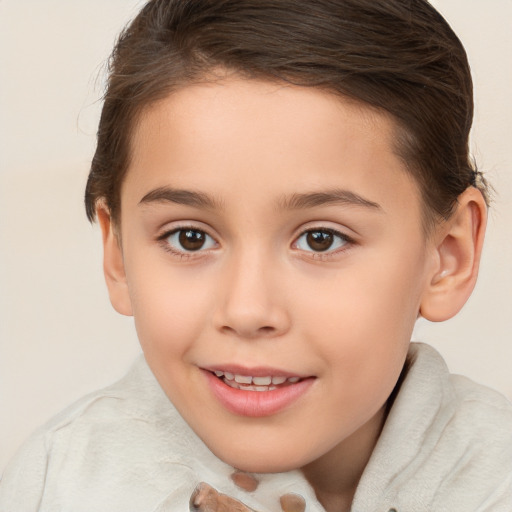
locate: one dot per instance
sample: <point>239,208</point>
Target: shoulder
<point>131,396</point>
<point>473,413</point>
<point>482,415</point>
<point>77,438</point>
<point>471,445</point>
<point>455,395</point>
<point>446,444</point>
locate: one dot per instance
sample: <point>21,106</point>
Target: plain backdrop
<point>59,336</point>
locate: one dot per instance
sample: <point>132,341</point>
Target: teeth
<point>243,379</point>
<point>262,381</point>
<point>261,388</point>
<point>254,383</point>
<point>243,387</point>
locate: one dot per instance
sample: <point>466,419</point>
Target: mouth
<point>256,392</point>
<point>255,383</point>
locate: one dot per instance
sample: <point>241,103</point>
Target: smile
<point>264,394</point>
<point>250,383</point>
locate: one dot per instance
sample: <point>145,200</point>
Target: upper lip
<point>256,371</point>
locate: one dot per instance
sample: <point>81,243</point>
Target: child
<point>283,188</point>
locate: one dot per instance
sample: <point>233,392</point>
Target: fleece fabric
<point>446,447</point>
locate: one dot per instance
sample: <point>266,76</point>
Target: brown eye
<point>189,240</point>
<point>321,240</point>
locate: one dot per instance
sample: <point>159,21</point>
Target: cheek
<point>367,314</point>
<point>169,307</point>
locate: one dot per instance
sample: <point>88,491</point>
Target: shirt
<point>446,446</point>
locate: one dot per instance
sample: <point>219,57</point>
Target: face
<point>274,261</point>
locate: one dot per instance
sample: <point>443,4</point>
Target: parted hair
<point>398,56</point>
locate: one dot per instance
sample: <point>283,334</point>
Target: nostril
<point>247,332</point>
<point>228,330</point>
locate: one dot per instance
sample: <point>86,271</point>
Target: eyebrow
<point>179,196</point>
<point>293,202</point>
<point>322,198</point>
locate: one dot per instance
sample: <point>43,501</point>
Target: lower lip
<point>256,403</point>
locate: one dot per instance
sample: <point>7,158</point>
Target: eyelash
<point>184,254</point>
<point>317,255</point>
<point>329,253</point>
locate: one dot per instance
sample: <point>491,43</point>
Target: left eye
<point>190,240</point>
<point>321,240</point>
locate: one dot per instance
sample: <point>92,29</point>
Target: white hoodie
<point>446,447</point>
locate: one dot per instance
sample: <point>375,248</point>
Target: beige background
<point>59,337</point>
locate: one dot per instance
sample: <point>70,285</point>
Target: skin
<point>257,294</point>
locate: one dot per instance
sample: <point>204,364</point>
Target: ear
<point>113,264</point>
<point>458,249</point>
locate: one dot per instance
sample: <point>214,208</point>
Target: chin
<point>258,461</point>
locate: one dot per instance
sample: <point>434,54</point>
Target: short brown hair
<point>399,56</point>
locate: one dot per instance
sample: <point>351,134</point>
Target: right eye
<point>184,240</point>
<point>322,240</point>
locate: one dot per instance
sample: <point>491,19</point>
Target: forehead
<point>275,138</point>
<point>246,104</point>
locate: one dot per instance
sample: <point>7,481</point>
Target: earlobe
<point>113,264</point>
<point>458,251</point>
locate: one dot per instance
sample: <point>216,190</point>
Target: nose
<point>252,299</point>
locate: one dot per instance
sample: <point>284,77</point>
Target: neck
<point>335,475</point>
